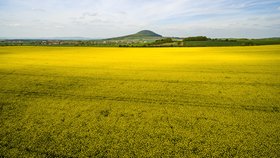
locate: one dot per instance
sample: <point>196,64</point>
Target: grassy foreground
<point>140,102</point>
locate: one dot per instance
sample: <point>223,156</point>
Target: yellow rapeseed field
<point>140,102</point>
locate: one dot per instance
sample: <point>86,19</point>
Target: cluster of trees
<point>197,38</point>
<point>162,41</point>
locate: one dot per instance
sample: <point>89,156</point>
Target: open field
<point>140,102</point>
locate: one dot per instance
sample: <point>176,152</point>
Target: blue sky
<point>111,18</point>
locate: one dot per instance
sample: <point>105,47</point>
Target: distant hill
<point>141,35</point>
<point>147,33</point>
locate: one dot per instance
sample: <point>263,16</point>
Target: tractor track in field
<point>37,94</point>
<point>3,75</point>
<point>88,78</point>
<point>28,150</point>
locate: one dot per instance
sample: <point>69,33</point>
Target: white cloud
<point>59,26</point>
<point>106,18</point>
<point>38,9</point>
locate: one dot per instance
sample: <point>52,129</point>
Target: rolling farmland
<point>140,102</point>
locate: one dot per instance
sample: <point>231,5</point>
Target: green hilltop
<point>141,35</point>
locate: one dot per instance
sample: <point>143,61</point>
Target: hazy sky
<point>110,18</point>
